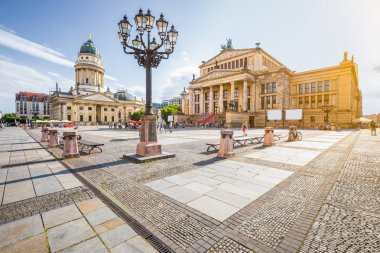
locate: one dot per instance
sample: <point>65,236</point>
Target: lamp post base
<point>148,145</point>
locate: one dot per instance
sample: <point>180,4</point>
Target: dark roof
<point>30,95</point>
<point>124,95</point>
<point>89,48</point>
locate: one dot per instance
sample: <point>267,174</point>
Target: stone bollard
<point>226,148</point>
<point>53,138</point>
<point>268,137</point>
<point>292,133</point>
<point>70,145</point>
<point>45,134</point>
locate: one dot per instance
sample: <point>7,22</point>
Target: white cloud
<point>111,78</point>
<point>178,79</point>
<point>5,58</point>
<point>15,78</point>
<point>54,74</point>
<point>20,44</point>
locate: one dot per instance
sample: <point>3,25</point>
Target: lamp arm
<point>143,41</point>
<point>136,50</point>
<point>162,43</point>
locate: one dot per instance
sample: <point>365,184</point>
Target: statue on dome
<point>228,45</point>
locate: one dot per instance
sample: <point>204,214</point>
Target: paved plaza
<point>320,194</point>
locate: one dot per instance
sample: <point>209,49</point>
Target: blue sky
<point>39,40</point>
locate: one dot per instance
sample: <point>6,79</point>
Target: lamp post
<point>148,54</point>
<point>327,108</point>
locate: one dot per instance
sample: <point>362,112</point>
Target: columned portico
<point>245,95</point>
<point>221,109</point>
<point>211,99</point>
<point>201,102</point>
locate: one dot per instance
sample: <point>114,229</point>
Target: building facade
<point>29,104</point>
<point>89,101</point>
<point>242,84</point>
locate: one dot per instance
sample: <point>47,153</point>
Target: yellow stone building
<point>241,85</point>
<point>89,101</point>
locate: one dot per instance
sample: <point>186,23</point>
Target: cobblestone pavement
<point>299,212</point>
<point>45,208</point>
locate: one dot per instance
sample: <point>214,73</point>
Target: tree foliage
<point>170,110</point>
<point>9,118</point>
<point>137,114</point>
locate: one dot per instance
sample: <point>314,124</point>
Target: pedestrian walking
<point>244,128</point>
<point>372,125</point>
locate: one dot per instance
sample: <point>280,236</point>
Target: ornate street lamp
<point>327,108</point>
<point>148,54</point>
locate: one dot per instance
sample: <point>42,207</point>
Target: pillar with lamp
<point>148,53</point>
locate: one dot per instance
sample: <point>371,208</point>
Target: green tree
<point>170,110</point>
<point>9,118</point>
<point>137,114</point>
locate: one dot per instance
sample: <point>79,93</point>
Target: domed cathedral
<point>89,71</point>
<point>88,101</point>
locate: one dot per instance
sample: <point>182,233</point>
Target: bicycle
<point>297,136</point>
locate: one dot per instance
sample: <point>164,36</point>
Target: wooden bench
<point>212,145</point>
<point>89,145</point>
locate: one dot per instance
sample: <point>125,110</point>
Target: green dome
<point>89,48</point>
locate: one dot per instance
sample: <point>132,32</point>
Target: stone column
<point>45,134</point>
<point>211,101</point>
<point>201,102</point>
<point>70,145</point>
<point>253,97</point>
<point>221,98</point>
<point>148,145</point>
<point>226,148</point>
<point>232,97</point>
<point>245,95</point>
<point>53,138</point>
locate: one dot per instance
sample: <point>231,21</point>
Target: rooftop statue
<point>228,45</point>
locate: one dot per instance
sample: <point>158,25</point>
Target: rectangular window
<point>221,66</point>
<point>313,87</point>
<point>241,63</point>
<point>237,63</point>
<point>262,102</point>
<point>69,117</point>
<point>327,99</point>
<point>268,88</point>
<point>274,100</point>
<point>233,64</point>
<point>262,88</point>
<point>208,70</point>
<point>112,109</point>
<point>249,91</point>
<point>300,89</point>
<point>105,118</point>
<point>307,88</point>
<point>319,100</point>
<point>245,62</point>
<point>207,108</point>
<point>306,101</point>
<point>197,98</point>
<point>312,119</point>
<point>197,108</point>
<point>207,96</point>
<point>327,85</point>
<point>268,100</point>
<point>225,94</point>
<point>86,80</point>
<point>229,65</point>
<point>81,118</point>
<point>81,108</point>
<point>90,108</point>
<point>225,65</point>
<point>320,86</point>
<point>105,109</point>
<point>113,118</point>
<point>313,101</point>
<point>274,87</point>
<point>216,97</point>
<point>236,92</point>
<point>89,118</point>
<point>68,108</point>
<point>300,101</point>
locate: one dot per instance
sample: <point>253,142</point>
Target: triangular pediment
<point>216,74</point>
<point>227,54</point>
<point>98,97</point>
